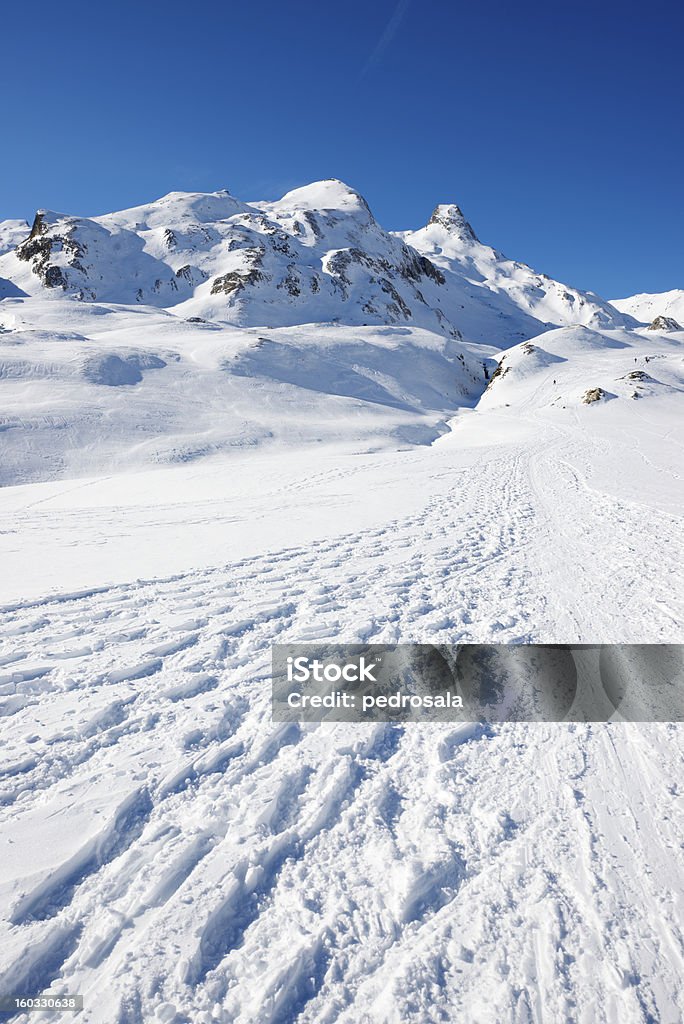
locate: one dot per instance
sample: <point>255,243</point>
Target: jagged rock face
<point>42,246</point>
<point>316,255</point>
<point>664,323</point>
<point>451,218</point>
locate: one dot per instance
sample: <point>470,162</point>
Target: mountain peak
<point>450,216</point>
<point>329,194</point>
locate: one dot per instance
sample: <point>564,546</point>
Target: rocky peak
<point>450,217</point>
<point>664,323</point>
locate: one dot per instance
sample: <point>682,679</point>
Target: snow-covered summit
<point>450,218</point>
<point>490,296</point>
<point>647,306</point>
<point>176,208</point>
<point>315,255</point>
<point>329,194</point>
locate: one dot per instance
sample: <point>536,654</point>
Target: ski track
<point>250,872</point>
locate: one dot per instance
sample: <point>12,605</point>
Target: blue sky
<point>557,128</point>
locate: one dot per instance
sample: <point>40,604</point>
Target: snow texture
<point>225,425</point>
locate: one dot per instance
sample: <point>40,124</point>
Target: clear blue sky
<point>557,127</point>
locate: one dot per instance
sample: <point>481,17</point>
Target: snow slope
<point>89,388</point>
<point>646,308</point>
<point>175,856</point>
<point>12,232</point>
<point>500,464</point>
<point>561,368</point>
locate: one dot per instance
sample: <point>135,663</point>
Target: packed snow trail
<point>173,855</point>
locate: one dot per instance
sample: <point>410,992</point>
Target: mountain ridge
<point>315,255</point>
<point>646,307</point>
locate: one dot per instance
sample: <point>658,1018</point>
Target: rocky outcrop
<point>664,323</point>
<point>39,247</point>
<point>593,395</point>
<point>451,217</point>
<point>230,284</point>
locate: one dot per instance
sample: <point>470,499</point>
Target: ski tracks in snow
<point>198,863</point>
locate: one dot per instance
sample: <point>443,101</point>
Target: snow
<point>179,495</point>
<point>646,308</point>
<point>331,194</point>
<point>12,232</point>
<point>131,388</point>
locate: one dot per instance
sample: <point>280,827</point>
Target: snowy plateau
<point>225,425</point>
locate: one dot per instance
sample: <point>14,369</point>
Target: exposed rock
<point>280,243</point>
<point>593,395</point>
<point>640,375</point>
<point>397,305</point>
<point>313,223</point>
<point>430,270</point>
<point>235,281</point>
<point>451,217</point>
<point>500,372</point>
<point>291,282</point>
<point>39,247</point>
<point>339,262</point>
<point>664,323</point>
<point>414,267</point>
<point>53,277</point>
<point>193,275</point>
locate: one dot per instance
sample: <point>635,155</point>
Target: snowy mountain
<point>647,307</point>
<point>199,324</point>
<point>316,255</point>
<point>492,297</point>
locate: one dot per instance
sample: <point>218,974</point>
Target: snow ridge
<point>315,255</point>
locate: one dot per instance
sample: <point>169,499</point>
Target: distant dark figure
<point>554,382</point>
